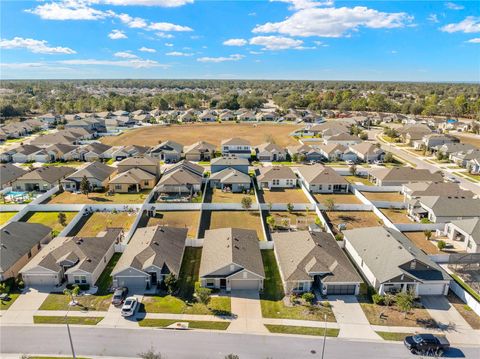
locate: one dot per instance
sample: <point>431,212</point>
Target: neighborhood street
<point>179,344</point>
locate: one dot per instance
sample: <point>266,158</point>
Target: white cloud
<point>334,22</point>
<point>125,55</point>
<point>146,49</point>
<point>235,42</point>
<point>469,25</point>
<point>305,4</point>
<point>256,52</point>
<point>475,40</point>
<point>36,46</point>
<point>178,53</point>
<point>117,34</point>
<point>166,26</point>
<point>168,44</point>
<point>21,65</point>
<point>276,42</point>
<point>234,57</point>
<point>433,18</point>
<point>162,3</point>
<point>136,63</point>
<point>133,22</point>
<point>69,10</point>
<point>453,6</point>
<point>163,35</point>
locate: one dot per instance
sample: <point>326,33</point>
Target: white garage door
<point>431,289</point>
<point>244,284</point>
<point>40,280</point>
<point>134,284</point>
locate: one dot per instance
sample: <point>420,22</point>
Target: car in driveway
<point>427,344</point>
<point>129,307</point>
<point>452,179</point>
<point>119,296</point>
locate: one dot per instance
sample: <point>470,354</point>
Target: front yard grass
<point>271,299</point>
<point>183,219</point>
<point>384,196</point>
<point>396,215</point>
<point>289,329</point>
<point>99,197</point>
<point>49,219</point>
<point>192,324</point>
<point>100,221</point>
<point>393,336</point>
<point>338,198</point>
<point>4,305</point>
<point>5,217</point>
<point>465,311</point>
<point>234,219</point>
<point>353,219</point>
<point>288,195</point>
<point>43,319</point>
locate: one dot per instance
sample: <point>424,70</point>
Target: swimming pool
<point>17,194</point>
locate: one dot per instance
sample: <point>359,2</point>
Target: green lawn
<point>104,282</point>
<point>4,305</point>
<point>39,319</point>
<point>363,180</point>
<point>272,295</point>
<point>49,219</point>
<point>193,324</point>
<point>5,216</point>
<point>183,302</point>
<point>288,329</point>
<point>398,337</point>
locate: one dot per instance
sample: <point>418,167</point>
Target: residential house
<point>208,116</point>
<point>188,116</point>
<point>411,133</point>
<point>310,261</point>
<point>391,263</point>
<point>266,116</point>
<point>24,153</point>
<point>145,163</point>
<point>98,175</point>
<point>463,158</point>
<point>236,146</point>
<point>345,139</point>
<point>183,177</point>
<point>74,260</point>
<point>152,254</point>
<point>226,115</point>
<point>199,151</point>
<point>42,179</point>
<point>276,177</point>
<point>335,152</point>
<point>20,242</point>
<point>443,209</point>
<point>473,165</point>
<point>305,152</point>
<point>434,141</point>
<point>398,176</point>
<point>168,151</point>
<point>231,180</point>
<point>121,152</point>
<point>231,260</point>
<point>133,180</point>
<point>368,152</point>
<point>49,118</point>
<point>220,163</point>
<point>329,128</point>
<point>271,152</point>
<point>9,173</point>
<point>442,189</point>
<point>465,232</point>
<point>93,152</point>
<point>60,152</point>
<point>450,148</point>
<point>320,179</point>
<point>247,116</point>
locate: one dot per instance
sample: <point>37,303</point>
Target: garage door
<point>430,289</point>
<point>341,289</point>
<point>244,284</point>
<point>134,284</point>
<point>40,280</point>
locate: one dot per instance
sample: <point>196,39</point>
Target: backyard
<point>358,179</point>
<point>353,219</point>
<point>90,226</point>
<point>49,219</point>
<point>99,301</point>
<point>338,198</point>
<point>298,220</point>
<point>384,196</point>
<point>5,217</point>
<point>418,238</point>
<point>99,197</point>
<point>219,196</point>
<point>183,302</point>
<point>213,133</point>
<point>272,297</point>
<point>181,219</point>
<point>234,219</point>
<point>396,215</point>
<point>293,195</point>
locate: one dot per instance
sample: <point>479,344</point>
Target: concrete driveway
<point>247,312</point>
<point>22,311</point>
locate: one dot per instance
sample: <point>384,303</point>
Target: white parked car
<point>350,162</point>
<point>452,179</point>
<point>129,307</point>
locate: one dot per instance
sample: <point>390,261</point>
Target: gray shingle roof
<point>230,176</point>
<point>406,174</point>
<point>9,172</point>
<point>470,226</point>
<point>451,206</point>
<point>275,172</point>
<point>96,170</point>
<point>229,161</point>
<point>50,174</point>
<point>318,174</point>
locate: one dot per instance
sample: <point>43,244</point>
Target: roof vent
<point>7,232</point>
<point>156,243</point>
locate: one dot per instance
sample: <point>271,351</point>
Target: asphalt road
<point>195,344</point>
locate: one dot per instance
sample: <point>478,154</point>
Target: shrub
<point>308,297</point>
<point>203,294</point>
<point>378,299</point>
<point>339,237</point>
<point>388,299</point>
<point>441,245</point>
<point>246,202</point>
<point>425,221</point>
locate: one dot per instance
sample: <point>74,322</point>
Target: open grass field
<point>384,196</point>
<point>5,216</point>
<point>294,195</point>
<point>353,219</point>
<point>418,238</point>
<point>396,215</point>
<point>234,219</point>
<point>97,197</point>
<point>100,221</point>
<point>271,299</point>
<point>289,329</point>
<point>192,324</point>
<point>214,133</point>
<point>338,198</point>
<point>182,219</point>
<point>49,219</point>
<point>298,220</point>
<point>474,141</point>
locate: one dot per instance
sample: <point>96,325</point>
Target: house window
<point>413,264</point>
<point>118,186</point>
<point>299,287</point>
<point>276,182</point>
<point>329,187</point>
<point>210,283</point>
<point>80,279</point>
<point>145,183</point>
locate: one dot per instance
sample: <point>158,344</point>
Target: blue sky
<point>283,39</point>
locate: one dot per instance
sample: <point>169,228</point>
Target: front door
<point>153,278</point>
<point>223,283</point>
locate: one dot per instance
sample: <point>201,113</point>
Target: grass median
<point>288,329</point>
<point>192,324</point>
